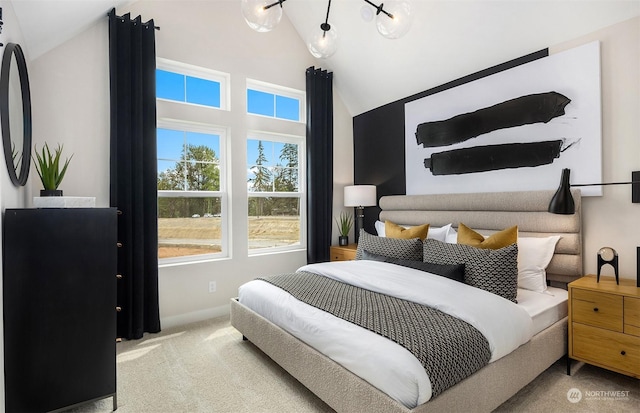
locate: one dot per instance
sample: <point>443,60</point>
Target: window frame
<point>277,90</point>
<point>199,72</point>
<point>300,194</point>
<point>223,193</point>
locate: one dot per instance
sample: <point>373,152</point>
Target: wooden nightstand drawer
<point>345,253</point>
<point>597,309</point>
<point>632,316</point>
<point>337,255</point>
<point>606,348</point>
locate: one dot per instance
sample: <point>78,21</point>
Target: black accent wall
<point>378,139</point>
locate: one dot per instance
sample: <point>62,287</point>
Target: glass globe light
<point>321,43</point>
<point>258,18</point>
<point>398,26</point>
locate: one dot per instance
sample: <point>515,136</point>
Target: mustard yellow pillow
<point>495,241</point>
<point>392,230</point>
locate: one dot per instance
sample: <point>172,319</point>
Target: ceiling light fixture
<point>262,15</point>
<point>323,43</point>
<point>393,21</point>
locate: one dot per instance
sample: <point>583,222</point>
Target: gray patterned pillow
<point>495,271</point>
<point>405,249</point>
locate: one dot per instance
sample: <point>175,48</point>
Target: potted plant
<point>344,222</point>
<point>48,167</point>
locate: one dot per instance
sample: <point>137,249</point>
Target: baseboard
<point>195,316</point>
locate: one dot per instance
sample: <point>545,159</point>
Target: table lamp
<point>359,196</point>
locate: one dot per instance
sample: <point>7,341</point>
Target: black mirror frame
<point>15,49</point>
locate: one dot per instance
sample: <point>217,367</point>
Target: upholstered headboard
<point>495,211</point>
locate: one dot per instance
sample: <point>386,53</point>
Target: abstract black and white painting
<point>514,130</point>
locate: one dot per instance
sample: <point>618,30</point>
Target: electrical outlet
<point>212,286</point>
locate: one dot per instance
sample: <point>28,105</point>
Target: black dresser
<point>59,298</point>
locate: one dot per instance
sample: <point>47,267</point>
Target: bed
<point>494,383</point>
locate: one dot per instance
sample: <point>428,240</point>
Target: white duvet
<point>383,363</point>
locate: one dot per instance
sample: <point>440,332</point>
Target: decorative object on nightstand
<point>344,222</point>
<point>607,255</point>
<point>604,324</point>
<point>359,196</point>
<point>562,201</point>
<point>346,253</point>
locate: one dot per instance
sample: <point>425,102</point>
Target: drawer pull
<point>118,309</point>
<point>595,309</point>
<point>623,352</point>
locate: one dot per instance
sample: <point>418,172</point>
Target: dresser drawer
<point>607,348</point>
<point>632,316</point>
<point>597,309</point>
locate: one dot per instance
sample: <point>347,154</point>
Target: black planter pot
<point>343,240</point>
<point>51,192</point>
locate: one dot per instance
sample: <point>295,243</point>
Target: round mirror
<point>15,113</point>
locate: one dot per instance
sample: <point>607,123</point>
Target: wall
<point>71,106</point>
<point>609,220</point>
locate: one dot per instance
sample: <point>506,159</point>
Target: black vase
<point>51,192</point>
<point>343,240</point>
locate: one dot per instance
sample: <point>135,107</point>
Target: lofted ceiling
<point>448,38</point>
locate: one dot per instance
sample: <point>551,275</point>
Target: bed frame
<point>492,385</point>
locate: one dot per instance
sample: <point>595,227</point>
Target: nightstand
<point>604,324</point>
<point>345,253</point>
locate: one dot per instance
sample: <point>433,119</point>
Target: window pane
<point>273,222</point>
<point>260,171</point>
<point>189,226</point>
<point>203,92</point>
<point>170,176</point>
<point>208,147</point>
<point>260,103</point>
<point>201,172</point>
<point>286,173</point>
<point>170,144</point>
<point>287,108</point>
<point>169,85</point>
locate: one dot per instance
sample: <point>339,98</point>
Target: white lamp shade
<point>360,195</point>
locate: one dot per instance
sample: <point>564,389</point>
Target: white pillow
<point>452,236</point>
<point>534,255</point>
<point>437,233</point>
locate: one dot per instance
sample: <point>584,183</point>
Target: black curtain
<point>319,163</point>
<point>133,171</point>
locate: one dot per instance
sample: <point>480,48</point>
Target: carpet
<point>206,367</point>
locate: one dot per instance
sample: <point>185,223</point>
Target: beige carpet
<point>206,367</point>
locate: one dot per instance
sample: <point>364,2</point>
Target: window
<point>275,101</point>
<point>191,191</point>
<point>274,185</point>
<point>184,83</point>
